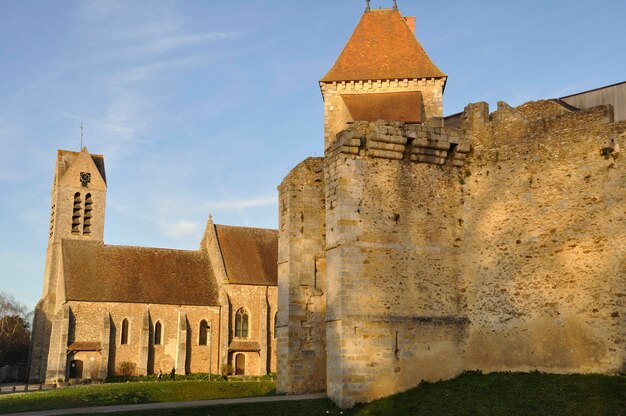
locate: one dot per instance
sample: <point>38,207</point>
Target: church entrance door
<point>240,364</point>
<point>76,369</point>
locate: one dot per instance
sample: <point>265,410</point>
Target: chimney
<point>410,21</point>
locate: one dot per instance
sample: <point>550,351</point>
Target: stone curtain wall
<point>499,246</point>
<point>544,219</point>
<point>393,259</point>
<point>301,355</point>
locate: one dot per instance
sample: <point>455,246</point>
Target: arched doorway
<point>240,365</point>
<point>76,369</point>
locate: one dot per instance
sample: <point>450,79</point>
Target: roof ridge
<point>245,227</point>
<point>72,240</point>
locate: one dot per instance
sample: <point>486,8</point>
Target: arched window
<point>157,333</point>
<point>124,337</point>
<point>76,214</point>
<point>241,323</point>
<point>203,333</point>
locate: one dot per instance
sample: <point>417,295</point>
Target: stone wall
<point>544,239</point>
<point>336,114</point>
<point>260,303</point>
<point>301,281</point>
<point>86,325</point>
<point>498,246</point>
<point>393,259</point>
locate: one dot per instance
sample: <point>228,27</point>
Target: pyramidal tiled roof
<point>382,47</point>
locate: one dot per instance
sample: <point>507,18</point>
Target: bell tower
<point>78,197</point>
<point>383,73</point>
<point>77,212</point>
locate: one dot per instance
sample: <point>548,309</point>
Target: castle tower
<point>77,212</point>
<point>382,73</point>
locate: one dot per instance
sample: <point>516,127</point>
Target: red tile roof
<point>382,47</point>
<point>250,254</point>
<point>399,106</point>
<point>96,272</point>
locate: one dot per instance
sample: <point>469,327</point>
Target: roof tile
<point>97,272</point>
<point>382,47</point>
<point>250,254</point>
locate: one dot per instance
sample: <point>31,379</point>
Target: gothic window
<point>158,328</point>
<point>203,333</point>
<point>124,337</point>
<point>241,323</point>
<point>76,214</point>
<point>87,216</point>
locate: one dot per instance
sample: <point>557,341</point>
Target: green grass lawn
<point>131,393</point>
<point>497,394</point>
<point>509,394</point>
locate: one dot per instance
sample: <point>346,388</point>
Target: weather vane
<point>82,131</point>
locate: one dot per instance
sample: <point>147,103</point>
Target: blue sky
<point>203,106</point>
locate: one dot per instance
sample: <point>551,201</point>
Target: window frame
<point>157,338</point>
<point>242,323</point>
<point>125,331</point>
<point>204,332</point>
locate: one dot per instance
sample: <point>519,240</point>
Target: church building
<point>110,310</point>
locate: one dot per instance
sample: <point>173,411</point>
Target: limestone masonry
<point>413,251</point>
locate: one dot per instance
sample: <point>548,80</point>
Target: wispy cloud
<point>169,43</point>
<point>239,203</point>
<point>150,70</point>
<point>180,229</point>
<point>121,20</point>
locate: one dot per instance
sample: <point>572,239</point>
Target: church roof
<point>96,272</point>
<point>382,47</point>
<point>398,106</point>
<point>250,254</point>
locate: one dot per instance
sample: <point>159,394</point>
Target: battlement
<point>399,141</point>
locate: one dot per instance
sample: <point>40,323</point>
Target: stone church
<point>107,309</point>
<point>420,246</point>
